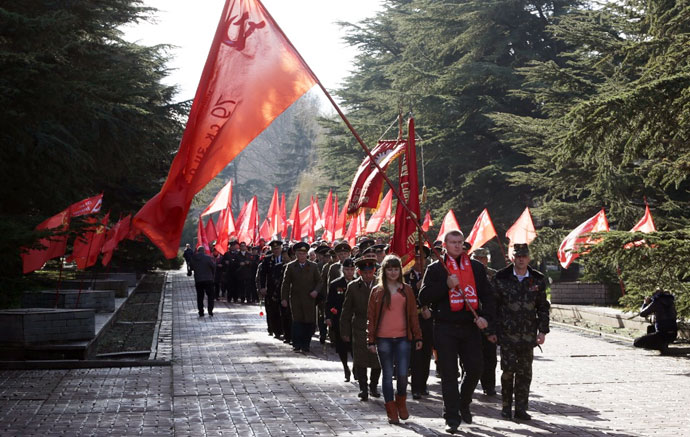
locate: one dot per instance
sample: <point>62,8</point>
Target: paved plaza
<point>228,377</point>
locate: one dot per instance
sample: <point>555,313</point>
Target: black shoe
<point>416,395</point>
<point>306,351</point>
<point>452,427</point>
<point>210,314</point>
<point>287,340</point>
<point>201,314</point>
<point>347,374</point>
<point>506,413</point>
<point>425,392</point>
<point>296,349</point>
<point>374,392</point>
<point>490,392</point>
<point>522,415</point>
<point>363,395</point>
<point>466,415</point>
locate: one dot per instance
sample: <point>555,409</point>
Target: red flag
<point>308,220</point>
<point>226,229</point>
<point>201,239</point>
<point>427,222</point>
<point>367,185</point>
<point>222,200</point>
<point>522,231</point>
<point>327,211</point>
<point>114,236</point>
<point>86,247</point>
<point>340,223</point>
<point>252,74</point>
<point>283,217</point>
<point>482,231</point>
<point>382,214</point>
<point>316,214</point>
<point>295,222</point>
<point>273,217</point>
<point>210,230</point>
<point>246,231</point>
<point>405,225</point>
<point>33,259</point>
<point>449,224</point>
<point>243,210</point>
<point>265,230</point>
<point>89,205</point>
<point>575,240</point>
<point>646,223</point>
<point>331,220</point>
<point>351,234</point>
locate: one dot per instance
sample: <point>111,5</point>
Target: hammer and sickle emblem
<point>244,31</point>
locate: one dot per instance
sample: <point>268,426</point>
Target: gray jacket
<point>204,267</point>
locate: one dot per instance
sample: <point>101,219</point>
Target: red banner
<point>572,243</point>
<point>404,235</point>
<point>252,74</point>
<point>34,259</point>
<point>366,187</point>
<point>90,205</point>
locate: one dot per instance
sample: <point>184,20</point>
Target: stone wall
<point>581,293</point>
<point>41,325</point>
<point>118,286</point>
<point>97,300</point>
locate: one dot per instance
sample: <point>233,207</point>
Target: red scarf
<point>466,276</point>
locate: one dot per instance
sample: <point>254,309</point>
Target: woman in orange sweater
<point>392,326</point>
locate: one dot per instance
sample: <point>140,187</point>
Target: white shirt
<point>521,277</point>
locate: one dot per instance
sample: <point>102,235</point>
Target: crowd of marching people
<point>447,307</point>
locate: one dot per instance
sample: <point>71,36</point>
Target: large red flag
<point>406,225</point>
<point>247,229</point>
<point>295,222</point>
<point>575,240</point>
<point>252,74</point>
<point>327,211</point>
<point>240,217</point>
<point>646,223</point>
<point>367,185</point>
<point>222,200</point>
<point>89,205</point>
<point>226,229</point>
<point>316,214</point>
<point>273,217</point>
<point>265,230</point>
<point>283,217</point>
<point>449,224</point>
<point>427,222</point>
<point>482,231</point>
<point>114,236</point>
<point>351,233</point>
<point>331,219</point>
<point>210,230</point>
<point>522,231</point>
<point>340,223</point>
<point>382,214</point>
<point>33,259</point>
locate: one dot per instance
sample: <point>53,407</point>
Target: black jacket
<point>434,294</point>
<point>664,310</point>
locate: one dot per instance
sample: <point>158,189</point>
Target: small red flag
<point>86,247</point>
<point>382,214</point>
<point>340,224</point>
<point>90,205</point>
<point>283,217</point>
<point>482,231</point>
<point>273,218</point>
<point>33,259</point>
<point>295,222</point>
<point>201,239</point>
<point>114,236</point>
<point>222,200</point>
<point>575,240</point>
<point>646,223</point>
<point>226,229</point>
<point>427,222</point>
<point>210,229</point>
<point>246,231</point>
<point>252,74</point>
<point>449,224</point>
<point>522,232</point>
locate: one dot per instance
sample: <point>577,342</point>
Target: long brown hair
<point>382,281</point>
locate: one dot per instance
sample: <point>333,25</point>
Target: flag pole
<point>397,194</point>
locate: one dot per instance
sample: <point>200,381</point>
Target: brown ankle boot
<point>392,412</point>
<point>401,403</point>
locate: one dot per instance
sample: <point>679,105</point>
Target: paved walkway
<point>230,378</point>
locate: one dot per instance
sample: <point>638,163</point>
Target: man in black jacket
<point>269,278</point>
<point>204,268</point>
<point>662,305</point>
<point>457,333</point>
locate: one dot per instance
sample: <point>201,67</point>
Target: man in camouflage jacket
<point>523,322</point>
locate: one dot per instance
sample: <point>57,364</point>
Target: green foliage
<point>84,111</point>
<point>659,259</point>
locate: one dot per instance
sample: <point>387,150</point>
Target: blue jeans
<point>393,351</point>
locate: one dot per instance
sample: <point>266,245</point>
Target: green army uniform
<point>523,310</point>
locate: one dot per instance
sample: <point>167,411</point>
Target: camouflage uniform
<point>522,310</point>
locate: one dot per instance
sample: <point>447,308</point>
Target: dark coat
<point>269,275</point>
<point>434,294</point>
<point>664,309</point>
<point>353,323</point>
<point>298,282</point>
<point>522,307</point>
<point>204,267</point>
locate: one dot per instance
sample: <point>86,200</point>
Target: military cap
<point>378,247</point>
<point>342,247</point>
<point>438,243</point>
<point>366,261</point>
<point>331,252</point>
<point>348,263</point>
<point>365,244</point>
<point>427,251</point>
<point>521,250</point>
<point>481,252</point>
<point>300,246</point>
<point>322,250</point>
<point>369,251</point>
<point>275,243</point>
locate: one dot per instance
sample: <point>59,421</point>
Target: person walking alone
<point>204,268</point>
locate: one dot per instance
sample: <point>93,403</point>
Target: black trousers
<point>489,374</point>
<point>421,359</point>
<point>275,326</point>
<point>657,340</point>
<point>461,340</point>
<point>361,373</point>
<point>207,288</point>
<point>286,322</point>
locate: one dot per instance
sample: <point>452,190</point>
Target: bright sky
<point>309,24</point>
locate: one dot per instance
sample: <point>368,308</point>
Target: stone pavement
<point>228,377</point>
